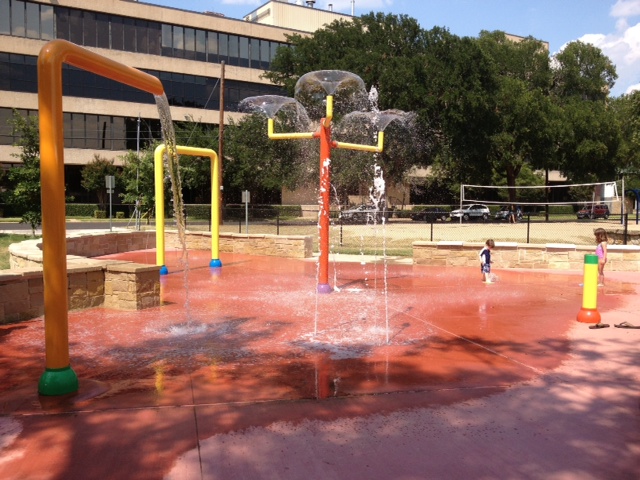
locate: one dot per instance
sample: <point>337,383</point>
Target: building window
<point>102,31</point>
<point>18,28</point>
<point>46,22</point>
<point>33,20</point>
<point>90,29</point>
<point>5,17</point>
<point>117,33</point>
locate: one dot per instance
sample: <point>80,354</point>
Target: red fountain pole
<point>325,208</point>
<point>326,144</point>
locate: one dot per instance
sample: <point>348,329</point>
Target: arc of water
<point>59,378</point>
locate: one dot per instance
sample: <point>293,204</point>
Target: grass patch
<point>7,239</point>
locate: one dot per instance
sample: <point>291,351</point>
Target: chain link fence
<point>394,236</point>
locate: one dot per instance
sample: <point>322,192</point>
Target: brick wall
<point>552,256</point>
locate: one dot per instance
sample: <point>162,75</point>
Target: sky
<point>611,25</point>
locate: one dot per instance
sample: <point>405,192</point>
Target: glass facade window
<point>129,33</point>
<point>243,52</point>
<point>212,47</point>
<point>178,42</point>
<point>62,23</point>
<point>189,43</point>
<point>20,75</point>
<point>76,30</point>
<point>5,17</point>
<point>234,50</point>
<point>90,29</point>
<point>154,31</point>
<point>102,31</point>
<point>223,48</point>
<point>117,33</point>
<point>46,22</point>
<point>33,20</point>
<point>142,36</point>
<point>201,45</point>
<point>255,53</point>
<point>18,27</point>
<point>167,40</point>
<point>265,54</point>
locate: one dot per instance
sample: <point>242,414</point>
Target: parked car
<point>362,214</point>
<point>594,211</point>
<point>430,214</point>
<point>504,213</point>
<point>476,211</point>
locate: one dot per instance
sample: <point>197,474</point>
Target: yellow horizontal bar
<point>363,148</point>
<point>285,136</point>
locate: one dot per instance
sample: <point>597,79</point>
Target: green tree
<point>254,162</point>
<point>582,70</point>
<point>588,135</point>
<point>436,75</point>
<point>93,177</point>
<point>23,181</point>
<point>627,111</point>
<point>138,180</point>
<point>522,133</point>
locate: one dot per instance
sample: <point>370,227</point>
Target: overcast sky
<point>611,25</point>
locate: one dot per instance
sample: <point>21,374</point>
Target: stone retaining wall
<point>290,246</point>
<point>552,256</point>
<point>116,284</point>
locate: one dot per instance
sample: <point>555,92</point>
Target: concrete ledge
<point>554,256</point>
<point>114,283</point>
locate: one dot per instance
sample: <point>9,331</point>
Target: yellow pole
<point>589,313</point>
<point>363,148</point>
<point>215,202</point>
<point>59,378</point>
<point>158,171</point>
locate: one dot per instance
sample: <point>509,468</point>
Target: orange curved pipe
<point>50,60</point>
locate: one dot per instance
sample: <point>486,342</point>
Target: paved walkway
<point>419,373</point>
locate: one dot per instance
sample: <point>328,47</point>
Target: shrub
<point>81,209</point>
<point>99,214</point>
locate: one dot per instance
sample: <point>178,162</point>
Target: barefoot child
<point>601,252</point>
<point>485,260</point>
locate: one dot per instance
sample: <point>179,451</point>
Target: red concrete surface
<point>421,372</point>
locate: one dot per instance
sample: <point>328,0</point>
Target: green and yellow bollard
<point>589,311</point>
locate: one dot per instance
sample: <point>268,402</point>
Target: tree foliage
<point>627,112</point>
<point>93,177</point>
<point>138,181</point>
<point>487,108</point>
<point>262,166</point>
<point>23,181</point>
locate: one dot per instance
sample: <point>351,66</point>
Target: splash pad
<point>229,320</point>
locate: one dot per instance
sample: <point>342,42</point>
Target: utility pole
<point>221,141</point>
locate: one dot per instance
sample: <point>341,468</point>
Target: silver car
<point>476,211</point>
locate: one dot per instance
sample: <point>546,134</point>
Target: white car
<point>476,211</point>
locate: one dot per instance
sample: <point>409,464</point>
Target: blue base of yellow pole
<point>58,381</point>
<point>324,288</point>
<point>215,262</point>
<point>164,270</point>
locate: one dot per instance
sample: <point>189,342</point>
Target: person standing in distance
<point>485,261</point>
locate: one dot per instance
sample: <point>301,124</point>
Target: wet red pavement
<point>248,373</point>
